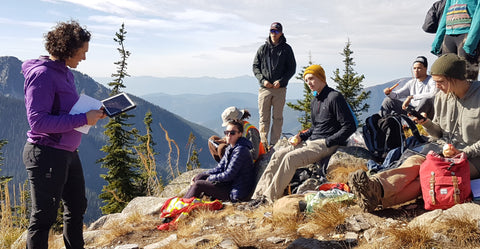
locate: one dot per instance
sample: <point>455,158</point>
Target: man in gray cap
<point>273,66</point>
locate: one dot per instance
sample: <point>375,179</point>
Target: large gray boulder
<point>180,185</point>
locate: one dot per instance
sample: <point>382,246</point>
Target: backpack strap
<point>456,190</point>
<point>432,187</point>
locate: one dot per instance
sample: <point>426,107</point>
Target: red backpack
<point>445,181</point>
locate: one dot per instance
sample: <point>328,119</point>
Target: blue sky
<point>195,38</point>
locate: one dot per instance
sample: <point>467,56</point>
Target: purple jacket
<point>50,93</point>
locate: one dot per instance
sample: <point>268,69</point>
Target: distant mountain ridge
<point>143,85</point>
<point>205,109</point>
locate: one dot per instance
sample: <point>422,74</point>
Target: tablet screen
<point>118,104</point>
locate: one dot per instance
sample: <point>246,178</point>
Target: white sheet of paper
<point>84,104</point>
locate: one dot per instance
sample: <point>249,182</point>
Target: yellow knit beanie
<point>316,70</point>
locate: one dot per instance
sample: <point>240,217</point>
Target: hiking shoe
<point>255,203</point>
<point>368,190</point>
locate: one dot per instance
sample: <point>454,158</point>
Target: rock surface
<point>369,227</point>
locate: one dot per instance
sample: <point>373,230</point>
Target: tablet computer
<point>117,104</point>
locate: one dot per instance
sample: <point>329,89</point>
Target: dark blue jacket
<point>236,167</point>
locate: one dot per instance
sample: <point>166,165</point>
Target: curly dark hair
<point>66,39</point>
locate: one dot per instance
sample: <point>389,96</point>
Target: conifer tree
<point>350,83</point>
<point>303,105</point>
<point>120,159</point>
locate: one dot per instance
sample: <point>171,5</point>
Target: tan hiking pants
<point>271,100</point>
<point>285,162</point>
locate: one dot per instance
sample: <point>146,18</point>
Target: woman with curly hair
<point>50,154</point>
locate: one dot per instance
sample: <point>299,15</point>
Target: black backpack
<point>382,134</point>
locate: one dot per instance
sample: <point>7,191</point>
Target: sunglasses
<point>231,133</point>
<point>275,31</point>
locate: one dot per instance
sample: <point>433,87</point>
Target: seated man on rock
<point>332,123</point>
<point>418,92</point>
<point>456,121</point>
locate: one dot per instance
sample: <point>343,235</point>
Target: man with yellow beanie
<point>332,123</point>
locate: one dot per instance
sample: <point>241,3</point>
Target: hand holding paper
<point>84,104</point>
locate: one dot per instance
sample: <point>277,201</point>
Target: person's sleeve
<point>39,98</point>
<point>429,94</point>
<point>290,68</point>
<point>218,168</point>
<point>472,150</point>
<point>257,66</point>
<point>430,24</point>
<point>346,120</point>
<point>241,156</point>
<point>437,42</point>
<point>402,92</point>
<point>432,127</point>
<point>473,37</point>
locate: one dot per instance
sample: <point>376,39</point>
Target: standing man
<point>418,92</point>
<point>274,65</point>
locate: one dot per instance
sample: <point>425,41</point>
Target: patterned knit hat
<point>450,65</point>
<point>316,70</point>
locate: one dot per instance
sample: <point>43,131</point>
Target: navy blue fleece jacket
<point>332,118</point>
<point>236,167</point>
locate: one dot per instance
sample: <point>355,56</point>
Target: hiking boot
<point>367,190</point>
<point>255,203</point>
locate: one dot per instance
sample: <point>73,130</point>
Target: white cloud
<point>219,38</point>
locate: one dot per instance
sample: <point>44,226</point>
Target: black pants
<point>390,106</point>
<point>454,44</point>
<point>55,175</point>
<point>201,186</point>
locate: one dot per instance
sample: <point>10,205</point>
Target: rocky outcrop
<point>357,225</point>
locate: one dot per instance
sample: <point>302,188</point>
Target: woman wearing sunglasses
<point>233,178</point>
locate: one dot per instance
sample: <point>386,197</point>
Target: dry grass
<point>13,221</point>
<point>462,231</point>
<point>207,229</point>
<point>122,228</point>
<point>339,173</point>
<point>330,215</point>
<point>459,232</point>
<point>410,237</point>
